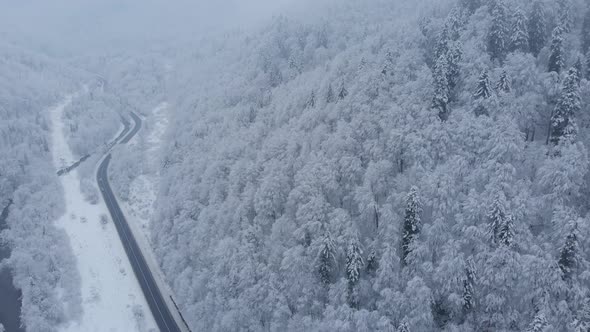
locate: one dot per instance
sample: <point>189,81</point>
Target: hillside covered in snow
<point>383,165</point>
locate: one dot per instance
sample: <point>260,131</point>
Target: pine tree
<point>537,28</point>
<point>327,259</point>
<point>582,321</point>
<point>441,88</point>
<point>556,61</point>
<point>372,262</point>
<point>562,121</point>
<point>579,70</point>
<point>354,265</point>
<point>469,286</point>
<point>403,327</point>
<point>565,17</point>
<point>483,86</point>
<point>586,32</point>
<point>503,84</point>
<point>568,259</point>
<point>498,34</point>
<point>412,223</point>
<point>330,97</point>
<point>539,323</point>
<point>453,57</point>
<point>519,38</point>
<point>501,224</point>
<point>588,65</point>
<point>343,92</point>
<point>506,231</point>
<point>442,43</point>
<point>311,101</point>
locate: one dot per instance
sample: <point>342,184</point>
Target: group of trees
<point>389,168</point>
<point>41,259</point>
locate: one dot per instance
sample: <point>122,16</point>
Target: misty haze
<point>294,165</point>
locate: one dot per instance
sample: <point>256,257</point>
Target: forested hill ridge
<point>389,166</point>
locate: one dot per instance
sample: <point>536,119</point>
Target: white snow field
<point>111,297</point>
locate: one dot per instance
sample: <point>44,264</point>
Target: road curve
<point>152,293</point>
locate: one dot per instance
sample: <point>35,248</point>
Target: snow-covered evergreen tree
<point>537,27</point>
<point>354,266</point>
<point>403,327</point>
<point>441,88</point>
<point>500,221</point>
<point>412,223</point>
<point>498,36</point>
<point>469,286</point>
<point>568,256</point>
<point>582,320</point>
<point>562,122</point>
<point>539,323</point>
<point>519,38</point>
<point>327,259</point>
<point>483,89</point>
<point>503,84</point>
<point>556,60</point>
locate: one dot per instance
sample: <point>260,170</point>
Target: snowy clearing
<point>111,297</point>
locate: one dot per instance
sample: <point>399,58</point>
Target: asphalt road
<point>146,280</point>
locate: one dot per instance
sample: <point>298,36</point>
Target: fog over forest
<point>295,165</point>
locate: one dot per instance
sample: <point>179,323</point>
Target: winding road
<point>151,291</point>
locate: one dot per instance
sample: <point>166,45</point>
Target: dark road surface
<point>146,280</point>
<point>10,301</point>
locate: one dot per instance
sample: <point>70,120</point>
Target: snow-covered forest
<point>389,165</point>
<point>41,256</point>
<point>375,165</point>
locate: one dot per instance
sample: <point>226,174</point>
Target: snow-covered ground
<point>111,297</point>
<point>142,191</point>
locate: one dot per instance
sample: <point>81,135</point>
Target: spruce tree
<point>453,57</point>
<point>539,323</point>
<point>582,321</point>
<point>412,223</point>
<point>498,34</point>
<point>372,262</point>
<point>588,65</point>
<point>483,90</point>
<point>562,121</point>
<point>343,92</point>
<point>330,96</point>
<point>506,231</point>
<point>403,327</point>
<point>579,70</point>
<point>469,286</point>
<point>354,265</point>
<point>519,38</point>
<point>564,14</point>
<point>503,84</point>
<point>500,222</point>
<point>441,88</point>
<point>568,259</point>
<point>327,259</point>
<point>556,59</point>
<point>537,28</point>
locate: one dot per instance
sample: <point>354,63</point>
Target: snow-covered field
<point>111,297</point>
